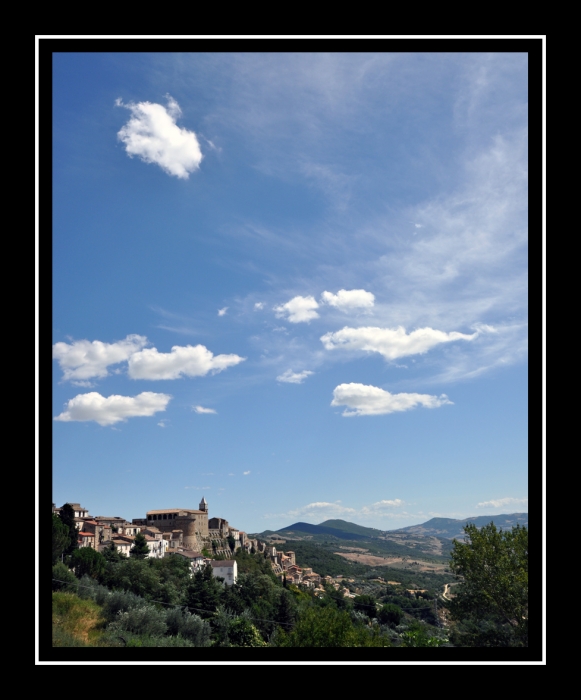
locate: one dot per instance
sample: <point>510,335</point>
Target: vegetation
<point>140,548</point>
<point>491,602</point>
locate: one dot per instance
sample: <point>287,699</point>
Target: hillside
<point>452,529</point>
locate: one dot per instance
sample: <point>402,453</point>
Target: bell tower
<point>204,505</point>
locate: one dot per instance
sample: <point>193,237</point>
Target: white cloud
<point>246,473</point>
<point>365,400</point>
<point>188,361</point>
<point>162,424</point>
<point>259,305</point>
<point>201,409</point>
<point>347,300</point>
<point>107,411</point>
<point>322,509</point>
<point>294,377</point>
<point>153,135</point>
<point>501,502</point>
<point>390,342</point>
<point>222,312</point>
<point>82,359</point>
<point>298,309</point>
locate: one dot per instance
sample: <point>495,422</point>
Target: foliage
<point>60,538</point>
<point>67,515</point>
<point>231,542</point>
<point>493,595</point>
<point>75,622</point>
<point>329,627</point>
<point>63,578</point>
<point>243,633</point>
<point>87,561</point>
<point>143,620</point>
<point>418,636</point>
<point>140,548</point>
<point>390,614</point>
<point>365,604</point>
<point>204,592</point>
<point>111,553</point>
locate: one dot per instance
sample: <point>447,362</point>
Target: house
<point>197,559</point>
<point>226,569</point>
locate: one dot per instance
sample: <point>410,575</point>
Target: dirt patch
<point>398,562</point>
<point>353,549</point>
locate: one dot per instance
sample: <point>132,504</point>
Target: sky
<point>294,284</point>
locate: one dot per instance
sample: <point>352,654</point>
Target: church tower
<point>204,505</point>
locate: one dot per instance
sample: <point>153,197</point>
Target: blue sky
<point>293,283</point>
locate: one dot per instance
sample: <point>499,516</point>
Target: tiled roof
<point>222,562</point>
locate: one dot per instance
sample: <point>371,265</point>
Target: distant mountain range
<point>452,529</point>
<point>447,528</point>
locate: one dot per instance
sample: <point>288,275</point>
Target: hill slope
<point>452,529</point>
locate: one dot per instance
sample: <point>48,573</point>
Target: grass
<point>75,622</point>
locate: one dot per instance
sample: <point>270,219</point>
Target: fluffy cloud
<point>246,473</point>
<point>298,309</point>
<point>222,312</point>
<point>501,502</point>
<point>294,377</point>
<point>188,361</point>
<point>346,300</point>
<point>82,359</point>
<point>201,409</point>
<point>259,305</point>
<point>107,411</point>
<point>390,342</point>
<point>322,509</point>
<point>153,135</point>
<point>365,400</point>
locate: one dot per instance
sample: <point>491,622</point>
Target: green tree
<point>67,515</point>
<point>365,604</point>
<point>60,538</point>
<point>140,548</point>
<point>86,560</point>
<point>111,553</point>
<point>204,593</point>
<point>492,598</point>
<point>231,542</point>
<point>390,614</point>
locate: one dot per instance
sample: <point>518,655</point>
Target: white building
<point>226,569</point>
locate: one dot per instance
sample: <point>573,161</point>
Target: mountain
<point>300,529</point>
<point>452,529</point>
<point>344,526</point>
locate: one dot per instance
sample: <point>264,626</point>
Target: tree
<point>67,515</point>
<point>140,548</point>
<point>60,538</point>
<point>88,561</point>
<point>492,598</point>
<point>231,542</point>
<point>111,553</point>
<point>365,604</point>
<point>390,614</point>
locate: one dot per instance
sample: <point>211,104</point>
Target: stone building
<point>193,523</point>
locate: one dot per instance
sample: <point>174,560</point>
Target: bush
<point>63,579</point>
<point>143,620</point>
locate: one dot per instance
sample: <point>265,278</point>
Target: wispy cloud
<point>348,300</point>
<point>298,310</point>
<point>324,510</point>
<point>83,359</point>
<point>294,377</point>
<point>246,473</point>
<point>188,361</point>
<point>222,312</point>
<point>366,400</point>
<point>501,502</point>
<point>113,409</point>
<point>153,135</point>
<point>201,409</point>
<point>390,342</point>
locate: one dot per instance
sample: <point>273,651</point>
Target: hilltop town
<point>193,535</point>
